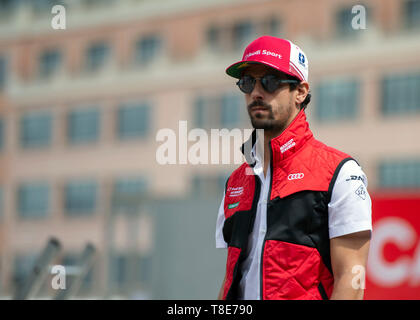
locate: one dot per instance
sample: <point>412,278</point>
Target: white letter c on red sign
<point>401,233</point>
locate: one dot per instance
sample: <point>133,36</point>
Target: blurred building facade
<point>80,109</point>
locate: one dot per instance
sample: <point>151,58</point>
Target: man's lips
<point>258,108</point>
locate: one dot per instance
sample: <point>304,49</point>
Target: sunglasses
<point>269,82</point>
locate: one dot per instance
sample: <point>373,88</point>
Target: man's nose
<point>258,91</point>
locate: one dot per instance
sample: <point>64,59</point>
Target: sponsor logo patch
<point>295,176</point>
<point>361,192</point>
<point>289,144</point>
<point>235,191</point>
<point>233,205</point>
<point>355,178</point>
<point>248,55</point>
<point>301,59</point>
<point>270,53</point>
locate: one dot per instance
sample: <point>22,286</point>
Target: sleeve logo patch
<point>361,192</point>
<point>355,178</point>
<point>233,205</point>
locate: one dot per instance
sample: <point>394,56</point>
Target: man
<point>299,226</point>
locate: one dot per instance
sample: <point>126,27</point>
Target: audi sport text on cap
<point>280,54</point>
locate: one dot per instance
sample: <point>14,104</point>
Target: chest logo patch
<point>295,176</point>
<point>235,191</point>
<point>233,205</point>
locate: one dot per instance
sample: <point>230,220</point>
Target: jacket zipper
<point>266,216</point>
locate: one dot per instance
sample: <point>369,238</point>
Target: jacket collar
<point>284,145</point>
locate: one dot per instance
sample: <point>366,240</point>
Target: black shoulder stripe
<point>335,175</point>
<point>257,191</point>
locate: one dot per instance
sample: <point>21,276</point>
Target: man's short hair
<point>293,86</point>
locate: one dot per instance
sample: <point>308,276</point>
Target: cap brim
<point>236,69</point>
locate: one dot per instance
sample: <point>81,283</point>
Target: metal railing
<point>43,268</point>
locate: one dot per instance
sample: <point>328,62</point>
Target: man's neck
<point>263,146</point>
<point>271,134</point>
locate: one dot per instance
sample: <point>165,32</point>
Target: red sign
<point>393,270</point>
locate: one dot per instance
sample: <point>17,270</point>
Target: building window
<point>3,72</point>
<point>199,112</point>
<point>218,111</point>
<point>92,4</point>
<point>207,111</point>
<point>33,200</point>
<point>23,265</point>
<point>230,115</point>
<point>209,186</point>
<point>401,94</point>
<point>43,7</point>
<point>7,8</point>
<point>35,129</point>
<point>214,38</point>
<point>49,64</point>
<point>223,38</point>
<point>80,197</point>
<point>412,13</point>
<point>400,174</point>
<point>243,33</point>
<point>118,266</point>
<point>128,193</point>
<point>133,120</point>
<point>344,18</point>
<point>148,49</point>
<point>337,99</point>
<point>129,271</point>
<point>83,126</point>
<point>271,26</point>
<point>97,56</point>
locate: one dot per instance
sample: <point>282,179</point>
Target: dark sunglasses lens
<point>246,84</point>
<point>270,83</point>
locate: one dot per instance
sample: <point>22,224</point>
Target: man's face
<point>270,111</point>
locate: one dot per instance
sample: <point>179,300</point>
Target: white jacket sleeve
<point>220,241</point>
<point>350,208</point>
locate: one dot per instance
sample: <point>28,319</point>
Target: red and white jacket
<point>295,257</point>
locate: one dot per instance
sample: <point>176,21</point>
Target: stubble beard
<point>268,122</point>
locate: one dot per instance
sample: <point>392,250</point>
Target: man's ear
<point>302,91</point>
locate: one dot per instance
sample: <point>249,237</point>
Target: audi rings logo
<point>295,176</point>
